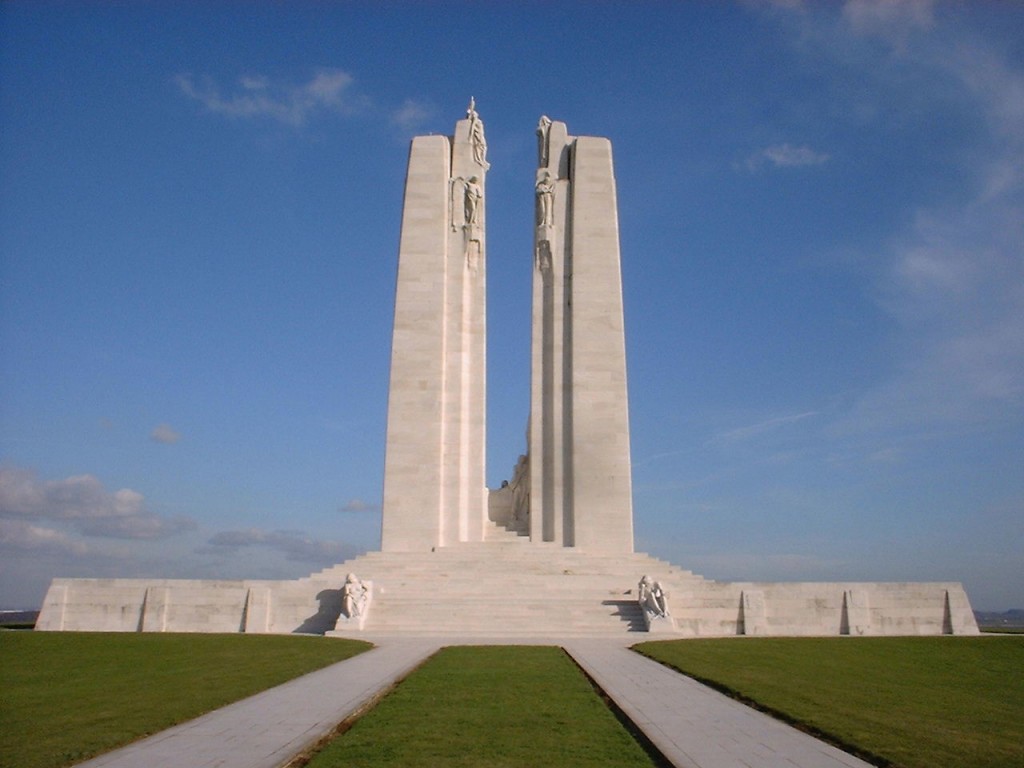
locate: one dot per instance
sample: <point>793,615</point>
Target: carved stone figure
<point>543,140</point>
<point>543,256</point>
<point>354,596</point>
<point>521,489</point>
<point>473,195</point>
<point>466,196</point>
<point>476,135</point>
<point>652,598</point>
<point>545,198</point>
<point>473,254</point>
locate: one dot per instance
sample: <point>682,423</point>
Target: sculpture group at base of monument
<point>551,551</point>
<point>356,597</point>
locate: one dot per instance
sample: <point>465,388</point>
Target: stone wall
<point>509,589</point>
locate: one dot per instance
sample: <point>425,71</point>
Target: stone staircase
<point>514,530</point>
<point>505,586</point>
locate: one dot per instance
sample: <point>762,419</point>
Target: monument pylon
<point>434,467</point>
<point>580,478</point>
<point>576,471</point>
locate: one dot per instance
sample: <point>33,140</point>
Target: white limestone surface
<point>434,471</point>
<point>580,484</point>
<point>412,465</point>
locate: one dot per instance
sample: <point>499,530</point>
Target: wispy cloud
<point>294,544</point>
<point>412,114</point>
<point>141,526</point>
<point>85,504</point>
<point>952,277</point>
<point>358,505</point>
<point>328,90</point>
<point>741,566</point>
<point>889,19</point>
<point>955,278</point>
<point>761,427</point>
<point>657,457</point>
<point>785,156</point>
<point>165,434</point>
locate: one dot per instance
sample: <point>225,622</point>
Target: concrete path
<point>693,725</point>
<point>268,729</point>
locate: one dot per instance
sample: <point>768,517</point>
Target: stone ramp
<point>694,726</point>
<point>268,729</point>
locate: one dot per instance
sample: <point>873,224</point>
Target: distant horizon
<point>820,212</point>
<point>976,610</point>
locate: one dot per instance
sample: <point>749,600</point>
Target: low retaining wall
<point>699,608</point>
<point>716,609</point>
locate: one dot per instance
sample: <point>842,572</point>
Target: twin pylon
<point>573,486</point>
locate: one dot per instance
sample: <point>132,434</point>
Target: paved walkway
<point>266,730</point>
<point>695,726</point>
<point>692,725</point>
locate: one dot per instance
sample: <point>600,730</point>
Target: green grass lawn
<point>913,702</point>
<point>488,706</point>
<point>66,696</point>
<point>908,702</point>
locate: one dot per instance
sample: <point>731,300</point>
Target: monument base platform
<point>513,588</point>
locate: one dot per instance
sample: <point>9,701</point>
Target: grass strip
<point>1004,630</point>
<point>908,702</point>
<point>68,696</point>
<point>496,706</point>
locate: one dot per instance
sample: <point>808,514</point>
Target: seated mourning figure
<point>354,597</point>
<point>652,598</point>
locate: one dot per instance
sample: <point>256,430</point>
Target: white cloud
<point>164,433</point>
<point>19,535</point>
<point>259,96</point>
<point>412,114</point>
<point>83,501</point>
<point>22,494</point>
<point>358,505</point>
<point>786,156</point>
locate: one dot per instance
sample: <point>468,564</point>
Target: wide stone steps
<point>492,558</point>
<point>514,533</point>
<point>505,587</point>
<point>500,615</point>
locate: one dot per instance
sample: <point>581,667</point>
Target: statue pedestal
<point>659,625</point>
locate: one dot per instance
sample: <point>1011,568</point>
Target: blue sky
<point>822,232</point>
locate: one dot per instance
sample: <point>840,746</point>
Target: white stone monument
<point>579,487</point>
<point>551,553</point>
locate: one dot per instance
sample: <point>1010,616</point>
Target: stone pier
<point>580,481</point>
<point>434,481</point>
